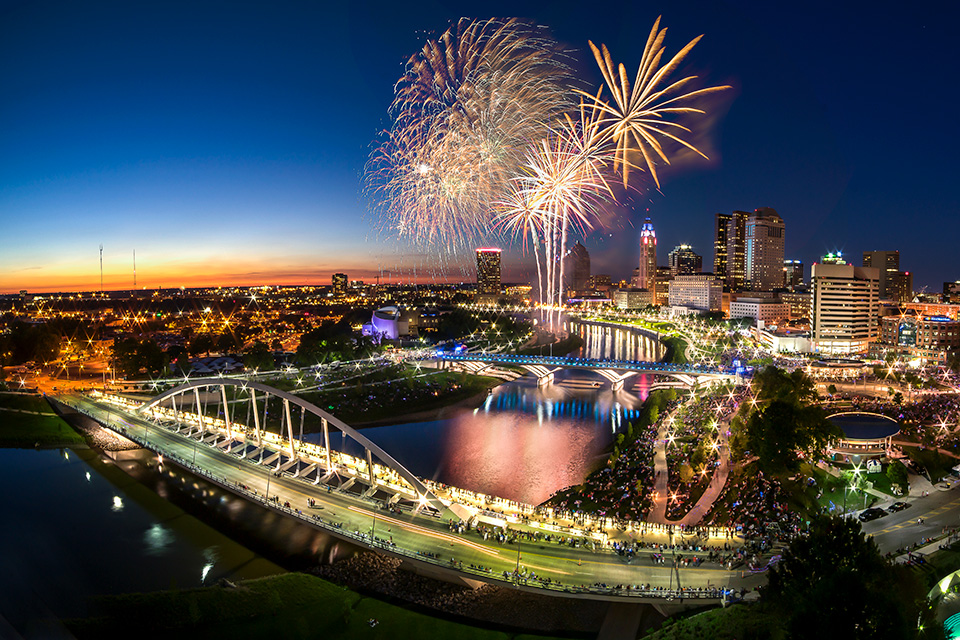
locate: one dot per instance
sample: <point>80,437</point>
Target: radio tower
<point>101,269</point>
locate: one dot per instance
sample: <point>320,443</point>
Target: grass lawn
<point>738,622</point>
<point>25,402</point>
<point>290,606</point>
<point>27,430</point>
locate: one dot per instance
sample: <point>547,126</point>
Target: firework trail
<point>638,117</point>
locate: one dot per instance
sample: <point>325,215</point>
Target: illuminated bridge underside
<point>192,392</point>
<point>616,371</point>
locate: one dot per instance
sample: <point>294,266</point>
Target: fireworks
<point>638,116</point>
<point>488,136</point>
<point>465,109</point>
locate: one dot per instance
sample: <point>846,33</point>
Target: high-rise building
<point>720,225</point>
<point>895,285</point>
<point>647,274</point>
<point>488,271</point>
<point>662,287</point>
<point>764,249</point>
<point>684,261</point>
<point>339,284</point>
<point>846,305</point>
<point>735,276</point>
<point>576,269</point>
<point>792,274</point>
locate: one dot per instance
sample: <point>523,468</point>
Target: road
<point>571,567</point>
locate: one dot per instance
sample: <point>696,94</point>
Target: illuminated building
<point>951,292</point>
<point>633,298</point>
<point>339,284</point>
<point>800,303</point>
<point>765,310</point>
<point>488,271</point>
<point>684,261</point>
<point>731,233</point>
<point>933,339</point>
<point>764,250</point>
<point>647,271</point>
<point>846,305</point>
<point>720,225</point>
<point>792,274</point>
<point>698,292</point>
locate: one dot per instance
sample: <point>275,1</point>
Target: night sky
<point>225,141</point>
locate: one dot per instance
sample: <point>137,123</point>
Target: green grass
<point>25,402</point>
<point>290,606</point>
<point>561,348</point>
<point>28,430</point>
<point>739,622</point>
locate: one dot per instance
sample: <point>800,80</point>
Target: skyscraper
<point>339,284</point>
<point>576,269</point>
<point>764,249</point>
<point>735,276</point>
<point>684,261</point>
<point>720,225</point>
<point>894,284</point>
<point>488,271</point>
<point>647,275</point>
<point>846,305</point>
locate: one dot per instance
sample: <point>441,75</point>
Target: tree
<point>258,357</point>
<point>777,433</point>
<point>897,473</point>
<point>202,343</point>
<point>833,583</point>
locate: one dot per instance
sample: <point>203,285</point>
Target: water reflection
<point>157,540</point>
<point>117,505</point>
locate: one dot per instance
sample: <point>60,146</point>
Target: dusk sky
<point>225,141</point>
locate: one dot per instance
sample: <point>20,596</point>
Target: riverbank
<point>28,421</point>
<point>307,606</point>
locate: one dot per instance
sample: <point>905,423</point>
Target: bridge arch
<point>425,495</point>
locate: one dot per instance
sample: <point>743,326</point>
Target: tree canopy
<point>833,583</point>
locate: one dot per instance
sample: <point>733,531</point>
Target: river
<point>524,442</point>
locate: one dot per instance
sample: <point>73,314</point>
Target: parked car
<point>898,506</point>
<point>871,514</point>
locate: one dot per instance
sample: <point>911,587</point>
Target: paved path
<point>34,413</point>
<point>662,487</point>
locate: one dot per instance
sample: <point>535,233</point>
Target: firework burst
<point>465,109</point>
<point>637,118</point>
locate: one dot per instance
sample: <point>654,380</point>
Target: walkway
<point>662,486</point>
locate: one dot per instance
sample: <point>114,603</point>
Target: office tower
<point>894,284</point>
<point>684,261</point>
<point>951,292</point>
<point>735,276</point>
<point>339,284</point>
<point>576,269</point>
<point>720,224</point>
<point>488,271</point>
<point>646,276</point>
<point>792,274</point>
<point>697,292</point>
<point>846,305</point>
<point>764,249</point>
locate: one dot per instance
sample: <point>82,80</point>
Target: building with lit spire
<point>647,273</point>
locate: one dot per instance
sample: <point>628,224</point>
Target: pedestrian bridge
<point>615,371</point>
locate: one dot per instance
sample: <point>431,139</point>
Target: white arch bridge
<point>240,427</point>
<point>615,371</point>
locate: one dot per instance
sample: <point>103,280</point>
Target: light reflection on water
<point>525,442</point>
<point>157,539</point>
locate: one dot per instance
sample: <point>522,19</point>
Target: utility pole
<point>134,268</point>
<point>101,268</point>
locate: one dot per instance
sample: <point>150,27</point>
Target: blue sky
<point>225,141</point>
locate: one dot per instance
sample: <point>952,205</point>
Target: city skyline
<point>226,148</point>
